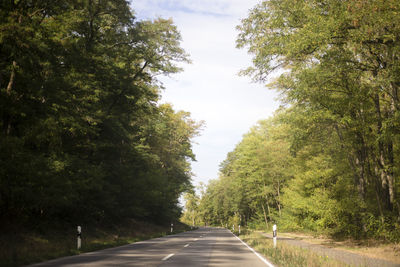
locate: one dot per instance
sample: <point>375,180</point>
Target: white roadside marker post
<point>274,234</point>
<point>79,236</point>
<point>239,229</point>
<point>172,227</point>
<point>233,227</point>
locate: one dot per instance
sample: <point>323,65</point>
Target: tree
<point>82,136</point>
<point>191,214</point>
<point>335,55</point>
<point>251,178</point>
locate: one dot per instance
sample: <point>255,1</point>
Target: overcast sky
<point>210,88</point>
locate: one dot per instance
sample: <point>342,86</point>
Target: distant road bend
<point>203,247</point>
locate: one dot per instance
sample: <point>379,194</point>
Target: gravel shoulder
<point>340,252</point>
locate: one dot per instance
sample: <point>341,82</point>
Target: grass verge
<point>22,247</point>
<point>285,255</point>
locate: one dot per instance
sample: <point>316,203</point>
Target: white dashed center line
<point>185,246</point>
<point>167,257</point>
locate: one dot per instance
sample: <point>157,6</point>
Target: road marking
<point>196,239</point>
<point>185,246</point>
<point>255,252</point>
<point>167,257</point>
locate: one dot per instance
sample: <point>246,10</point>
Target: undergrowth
<point>24,246</point>
<point>285,255</point>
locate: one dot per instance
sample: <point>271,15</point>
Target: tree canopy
<point>328,160</point>
<point>82,134</point>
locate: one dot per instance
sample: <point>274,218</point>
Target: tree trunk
<point>386,175</point>
<point>390,158</point>
<point>360,177</point>
<point>377,189</point>
<point>265,215</point>
<point>12,78</point>
<point>357,162</point>
<point>278,200</point>
<point>269,210</point>
<point>7,125</point>
<point>380,207</point>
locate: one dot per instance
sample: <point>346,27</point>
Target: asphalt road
<point>203,247</point>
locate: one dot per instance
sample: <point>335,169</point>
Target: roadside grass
<point>27,247</point>
<point>372,248</point>
<point>285,255</point>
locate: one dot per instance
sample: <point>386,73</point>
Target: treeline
<point>83,138</point>
<point>329,160</point>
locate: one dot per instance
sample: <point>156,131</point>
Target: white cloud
<point>210,88</point>
<point>204,7</point>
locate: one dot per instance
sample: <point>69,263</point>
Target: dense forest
<point>328,160</point>
<point>82,135</point>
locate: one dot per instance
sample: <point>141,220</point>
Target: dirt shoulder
<point>365,253</point>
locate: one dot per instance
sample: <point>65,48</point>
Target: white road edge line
<point>167,257</point>
<point>255,252</point>
<point>185,246</point>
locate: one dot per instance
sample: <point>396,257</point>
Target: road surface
<point>203,247</point>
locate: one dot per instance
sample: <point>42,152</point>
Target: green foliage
<point>82,137</point>
<point>191,215</point>
<point>328,161</point>
<point>252,178</point>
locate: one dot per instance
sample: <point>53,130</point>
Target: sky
<point>210,88</point>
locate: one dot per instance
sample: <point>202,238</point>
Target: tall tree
<point>336,55</point>
<point>82,134</point>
